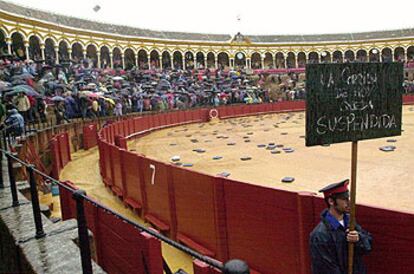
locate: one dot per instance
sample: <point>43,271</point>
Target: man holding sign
<point>348,103</point>
<point>329,240</point>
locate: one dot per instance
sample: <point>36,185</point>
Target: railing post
<point>1,160</point>
<point>13,187</point>
<point>35,203</point>
<point>83,232</point>
<point>236,267</point>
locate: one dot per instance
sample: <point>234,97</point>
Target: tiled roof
<point>186,36</point>
<point>108,28</point>
<point>315,38</point>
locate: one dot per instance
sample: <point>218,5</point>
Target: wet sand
<point>384,179</point>
<point>83,170</point>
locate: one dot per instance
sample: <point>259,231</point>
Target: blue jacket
<point>15,120</point>
<point>329,247</point>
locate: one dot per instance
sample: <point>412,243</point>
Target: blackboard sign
<point>351,102</point>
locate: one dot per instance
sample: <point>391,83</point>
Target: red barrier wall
<point>123,249</point>
<point>158,207</point>
<point>116,170</point>
<point>260,219</point>
<point>200,267</point>
<point>133,185</point>
<point>56,161</point>
<point>106,148</point>
<point>89,136</point>
<point>179,200</point>
<point>408,99</point>
<point>67,204</point>
<point>198,200</point>
<point>64,148</point>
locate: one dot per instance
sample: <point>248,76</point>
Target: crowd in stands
<point>33,92</point>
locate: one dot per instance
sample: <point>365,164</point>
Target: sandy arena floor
<point>383,178</point>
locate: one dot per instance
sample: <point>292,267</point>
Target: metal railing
<point>230,267</point>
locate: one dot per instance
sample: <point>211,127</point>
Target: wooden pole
<point>353,198</point>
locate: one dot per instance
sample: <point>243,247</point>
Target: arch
<point>223,60</point>
<point>63,51</point>
<point>18,47</point>
<point>178,60</point>
<point>129,58</point>
<point>313,57</point>
<point>349,56</point>
<point>291,60</point>
<point>374,55</point>
<point>386,55</point>
<point>52,38</point>
<point>77,42</point>
<point>301,59</point>
<point>240,60</point>
<point>256,61</point>
<point>154,59</point>
<point>399,54</point>
<point>200,60</point>
<point>189,60</point>
<point>3,45</point>
<point>105,56</point>
<point>19,31</point>
<point>77,52</point>
<point>280,60</point>
<point>117,61</point>
<point>410,53</point>
<point>34,48</point>
<point>337,57</point>
<point>50,54</point>
<point>268,60</point>
<point>166,60</point>
<point>143,59</point>
<point>92,54</point>
<point>325,57</point>
<point>211,60</point>
<point>361,55</point>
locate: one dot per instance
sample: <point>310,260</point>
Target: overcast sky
<point>256,17</point>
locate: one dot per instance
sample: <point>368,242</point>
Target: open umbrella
<point>28,90</point>
<point>58,98</point>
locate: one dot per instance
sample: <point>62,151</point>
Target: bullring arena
<point>209,178</point>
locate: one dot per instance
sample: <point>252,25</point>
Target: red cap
<point>335,188</point>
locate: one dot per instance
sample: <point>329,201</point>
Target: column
<point>111,63</point>
<point>149,61</point>
<point>274,61</point>
<point>70,53</point>
<point>122,60</point>
<point>285,61</point>
<point>160,60</point>
<point>84,53</point>
<point>26,45</point>
<point>172,62</point>
<point>205,62</point>
<point>231,63</point>
<point>98,56</point>
<point>405,56</point>
<point>183,60</point>
<point>56,48</point>
<point>9,44</point>
<point>216,61</point>
<point>249,63</point>
<point>262,57</point>
<point>296,61</point>
<point>42,51</point>
<point>137,61</point>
